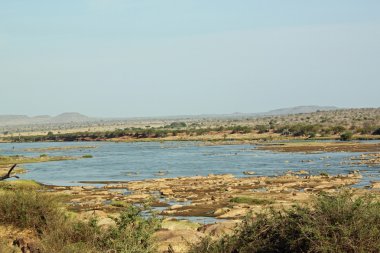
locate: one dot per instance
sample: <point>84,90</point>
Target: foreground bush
<point>25,208</point>
<point>60,233</point>
<point>132,234</point>
<point>332,224</point>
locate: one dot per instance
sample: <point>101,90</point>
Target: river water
<point>144,160</point>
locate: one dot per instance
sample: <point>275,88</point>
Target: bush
<point>376,132</point>
<point>339,223</point>
<point>240,129</point>
<point>132,234</point>
<point>346,136</point>
<point>336,129</point>
<point>251,201</point>
<point>262,128</point>
<point>25,208</point>
<point>60,233</point>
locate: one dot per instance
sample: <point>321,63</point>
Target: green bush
<point>262,128</point>
<point>346,136</point>
<point>339,223</point>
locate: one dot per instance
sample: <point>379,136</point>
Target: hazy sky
<point>172,57</point>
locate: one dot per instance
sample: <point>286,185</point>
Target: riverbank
<point>194,207</point>
<point>221,200</point>
<point>308,147</point>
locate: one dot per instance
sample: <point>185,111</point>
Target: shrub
<point>339,223</point>
<point>376,132</point>
<point>336,129</point>
<point>240,129</point>
<point>25,208</point>
<point>176,125</point>
<point>262,128</point>
<point>251,201</point>
<point>132,234</point>
<point>60,233</point>
<point>346,136</point>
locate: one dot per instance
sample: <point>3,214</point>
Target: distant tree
<point>376,132</point>
<point>337,129</point>
<point>346,136</point>
<point>262,128</point>
<point>176,125</point>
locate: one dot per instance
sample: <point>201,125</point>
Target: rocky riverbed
<point>224,199</point>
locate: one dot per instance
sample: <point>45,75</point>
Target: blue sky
<point>174,57</point>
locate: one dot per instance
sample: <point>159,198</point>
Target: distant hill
<point>300,109</point>
<point>74,117</point>
<point>68,117</point>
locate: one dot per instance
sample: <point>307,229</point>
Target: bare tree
<point>8,175</point>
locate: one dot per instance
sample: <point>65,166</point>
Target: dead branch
<point>8,175</point>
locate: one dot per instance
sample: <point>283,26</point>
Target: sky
<point>128,58</point>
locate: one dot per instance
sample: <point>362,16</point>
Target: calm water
<point>136,161</point>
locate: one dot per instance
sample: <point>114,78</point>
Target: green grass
<point>87,156</point>
<point>333,223</point>
<point>7,160</point>
<point>19,185</point>
<point>119,203</point>
<point>251,201</point>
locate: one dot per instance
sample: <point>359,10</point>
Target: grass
<point>7,160</point>
<point>87,156</point>
<point>57,148</point>
<point>251,201</point>
<point>118,203</point>
<point>19,185</point>
<point>333,223</point>
<point>28,209</point>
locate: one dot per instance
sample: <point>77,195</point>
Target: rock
<point>234,213</point>
<point>166,192</point>
<point>179,225</point>
<point>76,188</point>
<point>249,172</point>
<point>375,185</point>
<point>221,211</point>
<point>106,222</point>
<point>302,172</point>
<point>89,187</point>
<point>178,240</point>
<point>219,229</point>
<point>175,207</point>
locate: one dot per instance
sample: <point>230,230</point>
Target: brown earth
<point>308,147</point>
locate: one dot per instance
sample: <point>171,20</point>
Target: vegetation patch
<point>251,201</point>
<point>60,232</point>
<point>119,203</point>
<point>333,223</point>
<point>57,148</point>
<point>20,185</point>
<point>19,159</point>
